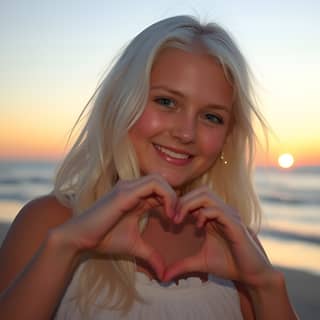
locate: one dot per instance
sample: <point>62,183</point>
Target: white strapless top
<point>190,299</point>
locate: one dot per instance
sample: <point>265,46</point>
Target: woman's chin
<point>177,185</point>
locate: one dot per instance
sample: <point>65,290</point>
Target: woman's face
<point>187,117</point>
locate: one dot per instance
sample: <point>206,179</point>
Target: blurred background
<point>53,54</point>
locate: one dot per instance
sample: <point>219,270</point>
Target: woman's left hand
<point>229,250</point>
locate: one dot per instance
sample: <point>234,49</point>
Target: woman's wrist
<point>273,282</point>
<point>63,247</point>
<point>270,298</point>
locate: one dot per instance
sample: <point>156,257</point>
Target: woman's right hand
<point>110,226</point>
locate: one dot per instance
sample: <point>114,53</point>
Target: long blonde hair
<point>102,154</point>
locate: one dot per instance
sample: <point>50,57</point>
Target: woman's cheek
<point>212,145</point>
<point>150,123</point>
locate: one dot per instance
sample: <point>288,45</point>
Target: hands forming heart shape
<point>229,249</point>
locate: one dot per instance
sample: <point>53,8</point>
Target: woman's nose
<point>184,130</point>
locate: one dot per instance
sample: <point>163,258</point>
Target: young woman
<point>153,214</point>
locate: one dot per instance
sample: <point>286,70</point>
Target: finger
<point>185,198</point>
<point>201,219</point>
<point>187,265</point>
<point>155,186</point>
<point>151,256</point>
<point>218,222</point>
<point>209,214</point>
<point>229,226</point>
<point>207,205</point>
<point>201,198</point>
<point>192,202</point>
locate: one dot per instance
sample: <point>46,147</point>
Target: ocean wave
<point>307,169</point>
<point>290,200</point>
<point>295,170</point>
<point>19,197</point>
<point>290,235</point>
<point>26,180</point>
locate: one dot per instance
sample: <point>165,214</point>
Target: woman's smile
<point>173,156</point>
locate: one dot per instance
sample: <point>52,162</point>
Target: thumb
<point>187,265</point>
<point>150,255</point>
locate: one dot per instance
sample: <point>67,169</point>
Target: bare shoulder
<point>27,233</point>
<point>46,208</point>
<point>38,216</point>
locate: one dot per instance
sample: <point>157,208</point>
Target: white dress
<point>216,299</point>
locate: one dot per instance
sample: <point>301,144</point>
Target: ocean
<point>290,201</point>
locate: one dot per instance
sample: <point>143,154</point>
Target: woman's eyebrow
<point>214,106</point>
<point>219,107</point>
<point>175,92</point>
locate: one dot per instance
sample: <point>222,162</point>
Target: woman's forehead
<point>194,74</point>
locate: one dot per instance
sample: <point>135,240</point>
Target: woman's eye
<point>213,118</point>
<point>167,102</point>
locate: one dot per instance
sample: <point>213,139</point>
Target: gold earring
<point>222,158</point>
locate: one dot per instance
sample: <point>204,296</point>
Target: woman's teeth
<point>172,154</point>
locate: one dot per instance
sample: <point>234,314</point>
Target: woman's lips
<point>173,157</point>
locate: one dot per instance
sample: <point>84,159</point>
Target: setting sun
<point>286,160</point>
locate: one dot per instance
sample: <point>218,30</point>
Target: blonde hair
<point>102,154</point>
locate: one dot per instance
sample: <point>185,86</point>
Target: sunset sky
<point>53,53</point>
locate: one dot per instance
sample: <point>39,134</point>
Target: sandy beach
<point>304,292</point>
<point>303,288</point>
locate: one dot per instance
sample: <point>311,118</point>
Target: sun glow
<point>286,160</point>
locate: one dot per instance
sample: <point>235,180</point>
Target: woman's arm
<point>271,300</point>
<point>35,265</point>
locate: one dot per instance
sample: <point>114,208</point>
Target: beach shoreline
<point>303,287</point>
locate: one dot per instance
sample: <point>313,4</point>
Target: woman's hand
<point>111,225</point>
<point>229,250</point>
